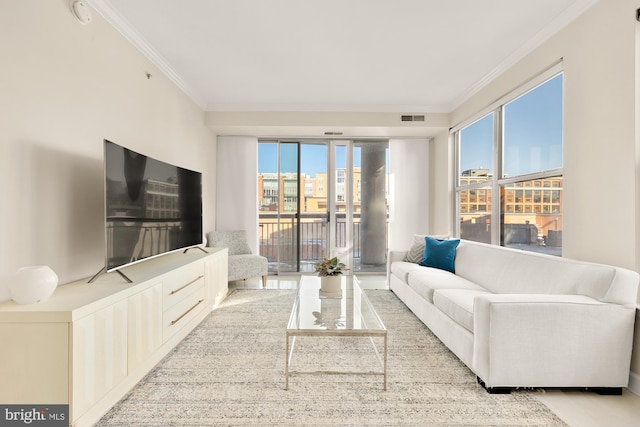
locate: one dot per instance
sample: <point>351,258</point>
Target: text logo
<point>34,415</point>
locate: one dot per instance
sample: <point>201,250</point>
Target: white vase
<point>33,284</point>
<point>331,284</point>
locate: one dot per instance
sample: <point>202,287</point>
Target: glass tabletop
<point>349,311</point>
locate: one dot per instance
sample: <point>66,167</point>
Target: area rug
<point>230,372</point>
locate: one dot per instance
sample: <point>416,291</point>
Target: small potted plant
<point>329,270</point>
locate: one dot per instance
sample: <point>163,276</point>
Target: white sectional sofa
<point>521,319</point>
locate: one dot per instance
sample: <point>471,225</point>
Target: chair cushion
<point>235,241</point>
<point>246,265</point>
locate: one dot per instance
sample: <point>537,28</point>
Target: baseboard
<point>634,383</point>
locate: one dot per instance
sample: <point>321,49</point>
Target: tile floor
<point>576,408</point>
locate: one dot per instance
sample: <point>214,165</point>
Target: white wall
<point>409,191</point>
<point>237,191</point>
<point>64,88</point>
<point>441,184</point>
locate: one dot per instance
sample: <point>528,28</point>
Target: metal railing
<point>279,242</point>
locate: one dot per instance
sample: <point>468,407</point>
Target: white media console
<point>89,343</point>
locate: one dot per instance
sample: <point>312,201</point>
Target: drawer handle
<point>186,312</point>
<point>175,291</point>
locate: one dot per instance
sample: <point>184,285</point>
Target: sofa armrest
<point>393,256</point>
<point>624,287</point>
<point>525,340</point>
<point>396,255</point>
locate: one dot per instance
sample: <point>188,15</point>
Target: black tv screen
<point>151,207</point>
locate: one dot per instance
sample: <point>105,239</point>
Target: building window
<point>514,151</point>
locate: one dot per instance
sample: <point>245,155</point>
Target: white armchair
<point>242,263</point>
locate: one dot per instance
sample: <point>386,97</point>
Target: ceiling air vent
<point>412,118</point>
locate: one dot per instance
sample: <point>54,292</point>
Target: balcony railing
<point>278,242</point>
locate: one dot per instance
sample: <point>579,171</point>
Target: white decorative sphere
<point>33,284</point>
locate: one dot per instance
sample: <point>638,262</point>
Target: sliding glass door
<point>292,193</point>
<point>340,213</point>
<point>320,198</point>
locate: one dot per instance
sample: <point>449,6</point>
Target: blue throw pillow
<point>440,253</point>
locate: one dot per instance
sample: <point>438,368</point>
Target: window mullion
<point>496,197</point>
<point>456,198</point>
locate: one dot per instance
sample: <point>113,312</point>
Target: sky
<point>313,158</point>
<point>532,134</point>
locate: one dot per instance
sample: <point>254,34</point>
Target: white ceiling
<point>336,55</point>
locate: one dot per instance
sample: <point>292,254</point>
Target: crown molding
<point>564,18</point>
<point>325,108</point>
<point>104,8</point>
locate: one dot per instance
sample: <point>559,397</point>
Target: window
<point>476,150</point>
<point>514,151</point>
<point>476,166</point>
<point>532,130</point>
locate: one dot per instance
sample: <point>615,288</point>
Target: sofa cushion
<point>440,253</point>
<point>505,270</point>
<point>426,280</point>
<point>457,304</point>
<point>401,269</point>
<point>416,252</point>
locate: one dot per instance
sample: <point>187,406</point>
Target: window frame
<point>497,180</point>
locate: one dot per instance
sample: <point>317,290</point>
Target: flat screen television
<point>151,207</point>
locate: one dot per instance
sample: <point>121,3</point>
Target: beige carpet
<point>230,371</point>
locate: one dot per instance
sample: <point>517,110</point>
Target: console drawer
<point>175,287</point>
<point>181,312</point>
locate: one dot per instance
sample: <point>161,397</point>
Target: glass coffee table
<point>349,314</point>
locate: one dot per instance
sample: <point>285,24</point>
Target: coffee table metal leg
<point>286,365</point>
<point>289,354</point>
<point>385,362</point>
